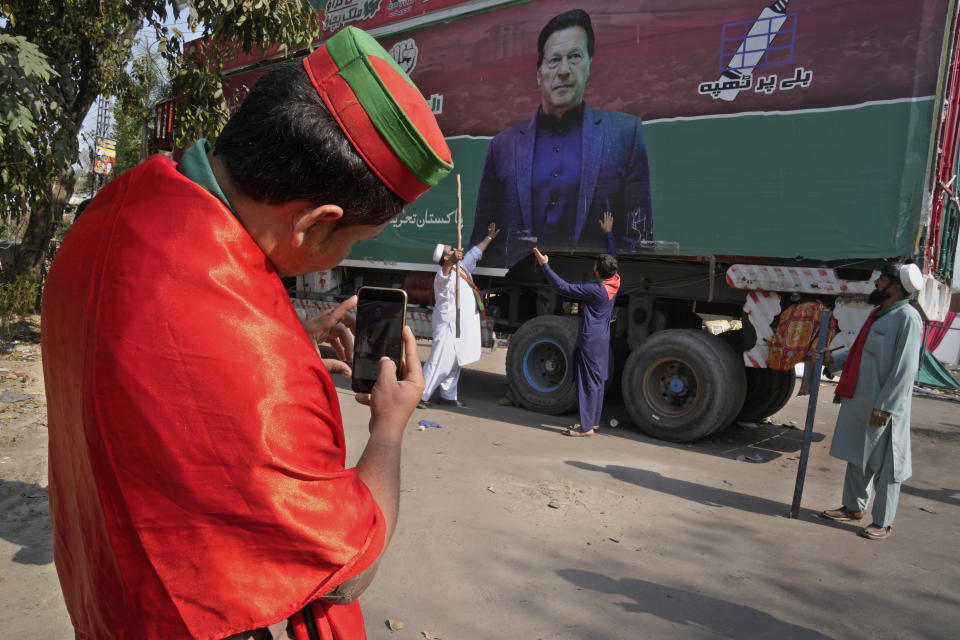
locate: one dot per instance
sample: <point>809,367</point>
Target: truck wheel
<point>783,387</point>
<point>758,398</point>
<point>768,390</point>
<point>540,364</point>
<point>681,384</point>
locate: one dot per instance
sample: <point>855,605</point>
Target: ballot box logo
<point>767,41</point>
<point>753,51</point>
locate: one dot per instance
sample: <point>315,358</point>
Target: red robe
<point>197,480</point>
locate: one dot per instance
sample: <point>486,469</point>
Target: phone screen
<point>380,316</point>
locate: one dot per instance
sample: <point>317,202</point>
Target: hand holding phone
<point>380,320</point>
<point>393,400</point>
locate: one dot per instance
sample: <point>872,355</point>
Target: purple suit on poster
<point>614,176</point>
<point>591,353</point>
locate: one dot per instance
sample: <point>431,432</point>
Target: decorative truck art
<point>756,156</point>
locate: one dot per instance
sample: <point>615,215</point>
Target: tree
<point>133,111</point>
<point>60,55</point>
<point>23,73</point>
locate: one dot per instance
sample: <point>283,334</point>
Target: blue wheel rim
<point>545,365</point>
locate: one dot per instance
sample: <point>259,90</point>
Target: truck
<point>776,154</point>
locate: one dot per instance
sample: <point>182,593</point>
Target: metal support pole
<point>811,412</point>
<point>456,265</point>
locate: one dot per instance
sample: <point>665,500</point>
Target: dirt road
<point>510,530</point>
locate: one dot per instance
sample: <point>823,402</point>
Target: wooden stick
<point>456,264</point>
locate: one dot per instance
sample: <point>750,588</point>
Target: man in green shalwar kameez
<point>875,388</point>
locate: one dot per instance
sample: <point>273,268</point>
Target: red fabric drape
<point>197,480</point>
<point>937,331</point>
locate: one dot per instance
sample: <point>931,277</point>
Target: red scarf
<point>476,292</point>
<point>851,366</point>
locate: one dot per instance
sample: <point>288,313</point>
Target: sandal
<point>842,514</point>
<point>576,432</point>
<point>876,532</point>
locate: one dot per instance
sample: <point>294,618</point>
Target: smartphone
<point>380,316</point>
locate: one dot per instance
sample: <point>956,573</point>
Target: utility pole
<point>103,130</point>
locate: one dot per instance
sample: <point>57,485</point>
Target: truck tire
<point>782,391</point>
<point>682,384</point>
<point>540,364</point>
<point>768,390</point>
<point>758,398</point>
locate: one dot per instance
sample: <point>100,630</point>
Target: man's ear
<point>325,217</point>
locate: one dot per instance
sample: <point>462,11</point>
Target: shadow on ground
<point>705,495</point>
<point>23,506</point>
<point>481,389</point>
<point>726,619</point>
<point>946,496</point>
<point>709,496</point>
<point>25,330</point>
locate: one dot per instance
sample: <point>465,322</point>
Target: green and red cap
<point>381,111</point>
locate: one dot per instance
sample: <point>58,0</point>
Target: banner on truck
<point>743,127</point>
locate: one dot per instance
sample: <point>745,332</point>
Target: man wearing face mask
<point>875,388</point>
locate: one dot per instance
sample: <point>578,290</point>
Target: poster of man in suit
<point>548,180</point>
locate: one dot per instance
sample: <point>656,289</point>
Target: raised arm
<point>589,291</point>
<point>606,223</point>
<point>473,256</point>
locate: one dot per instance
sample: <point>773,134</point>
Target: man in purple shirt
<point>591,353</point>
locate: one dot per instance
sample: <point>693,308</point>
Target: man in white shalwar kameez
<point>873,426</point>
<point>448,352</point>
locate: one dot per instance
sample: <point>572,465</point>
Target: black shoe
<point>422,405</point>
<point>451,403</point>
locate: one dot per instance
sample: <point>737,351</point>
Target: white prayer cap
<point>438,252</point>
<point>911,278</point>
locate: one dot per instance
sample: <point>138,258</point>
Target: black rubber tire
<point>768,390</point>
<point>619,352</point>
<point>782,391</point>
<point>734,338</point>
<point>540,364</point>
<point>683,384</point>
<point>758,398</point>
<point>730,360</point>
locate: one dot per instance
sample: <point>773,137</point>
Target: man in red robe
<point>198,486</point>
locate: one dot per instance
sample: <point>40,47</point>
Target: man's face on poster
<point>563,73</point>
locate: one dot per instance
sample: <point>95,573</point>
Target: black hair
<point>565,20</point>
<point>892,272</point>
<point>283,144</point>
<point>606,265</point>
